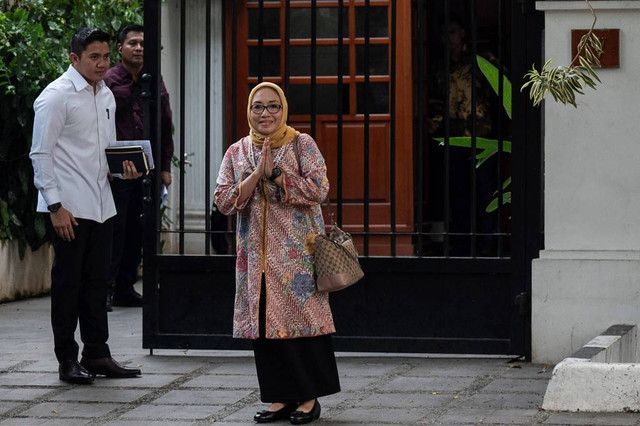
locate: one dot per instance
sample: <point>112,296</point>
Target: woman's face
<point>266,122</point>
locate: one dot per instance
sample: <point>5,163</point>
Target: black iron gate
<point>421,291</point>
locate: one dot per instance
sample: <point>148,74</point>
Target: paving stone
<point>144,381</point>
<point>245,423</point>
<point>463,416</point>
<point>6,406</point>
<point>525,370</point>
<point>31,379</point>
<point>43,365</point>
<point>246,413</point>
<point>6,364</point>
<point>610,419</point>
<point>511,416</point>
<point>364,369</point>
<point>64,409</point>
<point>503,400</point>
<point>354,384</point>
<point>517,385</point>
<point>457,368</point>
<point>379,415</point>
<point>403,400</point>
<point>148,423</point>
<point>22,394</point>
<point>95,394</point>
<point>231,381</point>
<point>166,365</point>
<point>372,393</point>
<point>197,397</point>
<point>236,367</point>
<point>160,412</point>
<point>428,384</point>
<point>30,421</point>
<point>335,399</point>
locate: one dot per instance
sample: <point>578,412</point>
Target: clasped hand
<point>265,164</point>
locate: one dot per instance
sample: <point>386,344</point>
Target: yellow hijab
<point>283,133</point>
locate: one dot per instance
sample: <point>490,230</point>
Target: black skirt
<point>294,370</point>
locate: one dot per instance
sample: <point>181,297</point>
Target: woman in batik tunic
<point>274,179</point>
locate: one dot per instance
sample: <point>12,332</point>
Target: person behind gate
<point>274,179</point>
<point>124,81</point>
<point>73,124</point>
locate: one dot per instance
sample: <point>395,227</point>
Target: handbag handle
<point>327,201</point>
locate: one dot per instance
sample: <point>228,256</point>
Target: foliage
<point>492,74</point>
<point>563,82</point>
<point>34,40</point>
<point>489,147</point>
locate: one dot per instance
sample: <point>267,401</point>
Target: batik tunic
<point>272,226</point>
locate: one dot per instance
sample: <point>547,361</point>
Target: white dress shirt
<point>71,130</point>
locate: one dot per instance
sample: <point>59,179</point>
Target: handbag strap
<point>327,201</point>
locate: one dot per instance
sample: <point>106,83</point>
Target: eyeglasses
<point>271,108</point>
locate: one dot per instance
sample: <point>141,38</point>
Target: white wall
<point>195,108</point>
<point>588,276</point>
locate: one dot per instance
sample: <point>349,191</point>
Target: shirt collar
<point>79,81</point>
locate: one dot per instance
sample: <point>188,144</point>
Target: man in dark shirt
<point>124,81</point>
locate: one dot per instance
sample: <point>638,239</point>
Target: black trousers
<point>127,233</point>
<point>79,290</point>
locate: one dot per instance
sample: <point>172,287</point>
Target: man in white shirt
<point>74,123</point>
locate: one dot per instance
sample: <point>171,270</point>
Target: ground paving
<point>194,388</point>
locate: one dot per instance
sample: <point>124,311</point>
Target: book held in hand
<point>117,154</point>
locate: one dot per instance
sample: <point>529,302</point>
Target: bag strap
<point>327,201</point>
<point>295,150</point>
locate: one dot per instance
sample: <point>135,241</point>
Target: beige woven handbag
<point>336,261</point>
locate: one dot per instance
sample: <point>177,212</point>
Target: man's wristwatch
<point>54,207</point>
<point>275,172</point>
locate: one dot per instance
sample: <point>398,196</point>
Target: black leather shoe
<point>126,298</point>
<point>300,417</point>
<point>71,371</point>
<point>108,367</point>
<point>266,416</point>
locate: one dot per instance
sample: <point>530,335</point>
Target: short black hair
<point>122,35</point>
<point>85,37</point>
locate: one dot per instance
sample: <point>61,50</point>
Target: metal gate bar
<point>183,46</point>
<point>180,290</point>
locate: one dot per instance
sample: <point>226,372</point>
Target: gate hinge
<point>523,300</point>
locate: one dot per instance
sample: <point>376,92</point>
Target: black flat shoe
<point>71,371</point>
<point>108,367</point>
<point>300,417</point>
<point>266,416</point>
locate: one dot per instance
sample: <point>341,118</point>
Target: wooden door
<point>264,49</point>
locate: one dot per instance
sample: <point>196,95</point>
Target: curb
<point>601,377</point>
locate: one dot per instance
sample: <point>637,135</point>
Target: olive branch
<point>563,82</point>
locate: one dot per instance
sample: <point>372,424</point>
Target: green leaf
<point>39,226</point>
<point>493,74</point>
<point>488,147</point>
<point>4,214</point>
<point>493,205</point>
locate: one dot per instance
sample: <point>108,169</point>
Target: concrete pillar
<point>588,276</point>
